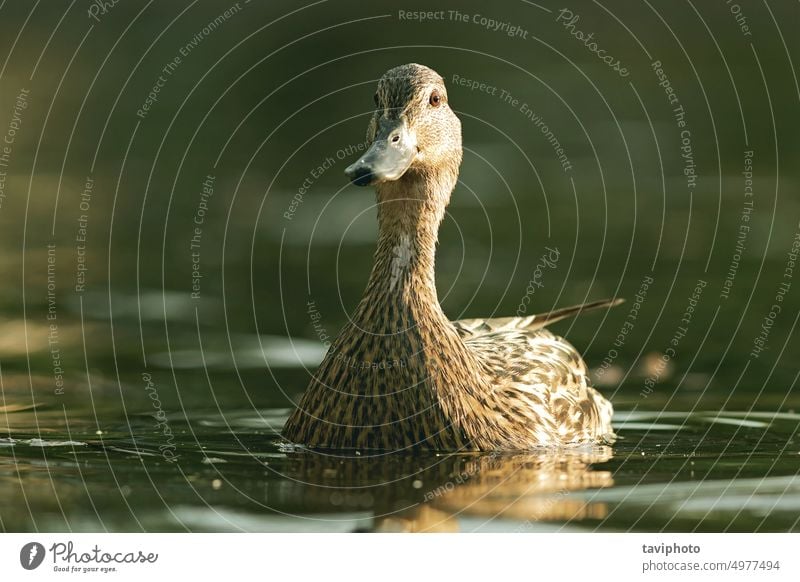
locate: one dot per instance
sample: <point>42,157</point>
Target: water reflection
<point>419,493</point>
<point>673,471</point>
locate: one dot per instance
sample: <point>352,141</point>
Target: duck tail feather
<point>544,319</point>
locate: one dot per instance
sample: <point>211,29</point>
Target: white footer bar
<point>401,557</point>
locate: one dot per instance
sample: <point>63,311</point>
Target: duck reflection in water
<point>414,493</point>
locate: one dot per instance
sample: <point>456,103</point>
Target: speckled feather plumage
<point>400,374</point>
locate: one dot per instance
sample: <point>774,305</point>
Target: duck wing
<point>540,383</point>
<point>469,328</point>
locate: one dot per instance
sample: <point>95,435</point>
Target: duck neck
<point>410,211</point>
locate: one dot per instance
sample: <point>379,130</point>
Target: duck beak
<point>390,155</point>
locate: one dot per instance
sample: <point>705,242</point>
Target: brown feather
<point>400,374</point>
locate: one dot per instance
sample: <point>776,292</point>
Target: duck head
<point>413,134</point>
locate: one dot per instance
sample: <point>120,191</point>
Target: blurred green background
<point>269,92</point>
<point>264,93</point>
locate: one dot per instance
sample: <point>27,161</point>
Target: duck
<point>400,375</point>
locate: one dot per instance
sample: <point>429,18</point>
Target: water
<point>146,367</point>
<point>227,470</point>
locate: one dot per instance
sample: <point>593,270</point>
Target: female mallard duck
<point>400,374</point>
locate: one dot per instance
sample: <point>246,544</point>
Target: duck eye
<point>435,99</point>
